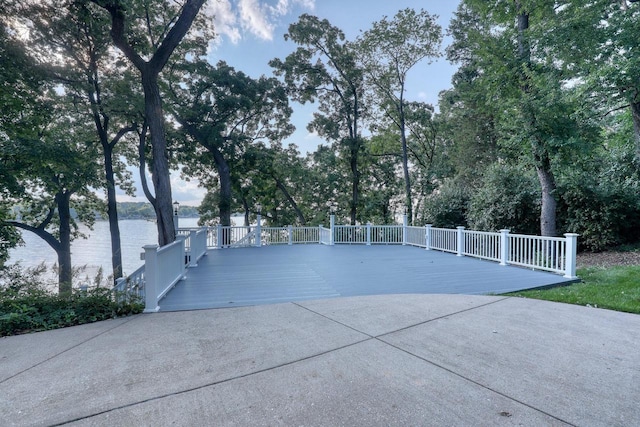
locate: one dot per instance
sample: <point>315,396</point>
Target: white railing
<point>542,253</point>
<point>289,235</point>
<point>131,285</point>
<point>384,234</point>
<point>230,236</point>
<point>553,254</point>
<point>275,236</point>
<point>416,236</point>
<point>350,234</point>
<point>304,235</point>
<point>482,244</point>
<point>443,239</point>
<point>325,236</point>
<point>164,267</point>
<point>368,234</point>
<point>197,246</point>
<point>212,237</point>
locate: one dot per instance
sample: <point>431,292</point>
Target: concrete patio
<point>436,360</point>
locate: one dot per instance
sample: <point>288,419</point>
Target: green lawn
<point>614,288</point>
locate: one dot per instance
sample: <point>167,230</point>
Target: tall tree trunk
<point>63,251</point>
<point>540,152</point>
<point>405,167</point>
<point>161,177</point>
<point>149,71</point>
<point>355,183</point>
<point>549,204</point>
<point>245,206</point>
<point>292,202</point>
<point>112,213</point>
<point>101,120</point>
<point>224,206</point>
<point>635,114</point>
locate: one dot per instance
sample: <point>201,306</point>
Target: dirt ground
<point>607,259</point>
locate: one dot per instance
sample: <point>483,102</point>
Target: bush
<point>447,206</point>
<point>26,304</point>
<point>509,197</point>
<point>603,210</point>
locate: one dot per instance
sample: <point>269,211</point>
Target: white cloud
<point>281,8</point>
<point>259,18</point>
<point>186,192</point>
<point>256,19</point>
<point>224,20</point>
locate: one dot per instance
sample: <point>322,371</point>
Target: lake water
<point>95,251</point>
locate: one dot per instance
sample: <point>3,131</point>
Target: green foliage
<point>447,207</point>
<point>602,208</point>
<point>226,117</point>
<point>508,197</point>
<point>28,305</point>
<point>325,68</point>
<point>614,288</point>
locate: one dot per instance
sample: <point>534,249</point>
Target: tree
<point>382,185</point>
<point>74,42</point>
<point>597,42</point>
<point>23,81</point>
<point>224,111</point>
<point>325,68</point>
<point>537,115</point>
<point>324,186</point>
<point>166,30</point>
<point>278,181</point>
<point>469,111</point>
<point>55,170</point>
<point>389,50</point>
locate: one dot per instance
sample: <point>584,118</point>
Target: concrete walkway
<point>374,360</point>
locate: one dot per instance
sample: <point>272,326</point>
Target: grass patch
<point>614,288</point>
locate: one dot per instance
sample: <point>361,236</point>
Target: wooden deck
<point>273,274</point>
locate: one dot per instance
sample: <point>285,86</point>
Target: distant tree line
<point>144,210</point>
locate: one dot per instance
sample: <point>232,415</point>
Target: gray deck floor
<point>273,274</point>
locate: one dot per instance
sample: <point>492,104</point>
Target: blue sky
<point>251,33</point>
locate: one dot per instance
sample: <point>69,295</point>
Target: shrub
<point>603,210</point>
<point>447,206</point>
<point>508,197</point>
<point>26,304</point>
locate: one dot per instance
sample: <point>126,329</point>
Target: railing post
<point>183,254</point>
<point>368,234</point>
<point>404,229</point>
<point>193,249</point>
<point>219,236</point>
<point>259,231</point>
<point>151,278</point>
<point>332,224</point>
<point>320,235</point>
<point>504,246</point>
<point>427,236</point>
<point>290,235</point>
<point>205,233</point>
<point>460,247</point>
<point>572,250</point>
